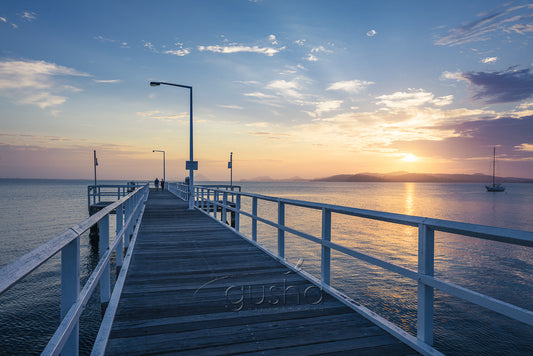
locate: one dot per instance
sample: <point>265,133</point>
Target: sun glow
<point>409,157</point>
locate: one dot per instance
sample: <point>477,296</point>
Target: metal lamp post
<point>230,166</point>
<point>164,173</point>
<point>191,165</point>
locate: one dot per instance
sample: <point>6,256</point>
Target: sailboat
<point>495,187</point>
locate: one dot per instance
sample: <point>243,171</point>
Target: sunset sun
<point>409,158</point>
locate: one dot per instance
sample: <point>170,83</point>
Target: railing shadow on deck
<point>128,209</point>
<point>215,202</point>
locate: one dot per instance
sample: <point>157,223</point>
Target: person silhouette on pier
<point>156,183</point>
<point>162,185</point>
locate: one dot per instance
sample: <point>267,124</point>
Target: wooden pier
<point>195,287</point>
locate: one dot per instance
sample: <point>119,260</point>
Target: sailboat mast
<point>493,165</point>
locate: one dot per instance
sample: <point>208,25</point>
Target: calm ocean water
<point>33,211</point>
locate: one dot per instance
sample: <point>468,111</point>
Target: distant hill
<point>420,178</point>
<point>270,179</point>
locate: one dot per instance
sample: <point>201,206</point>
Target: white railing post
<point>224,203</point>
<point>203,200</point>
<point>127,211</point>
<point>281,232</point>
<point>426,252</point>
<point>70,290</point>
<point>325,272</point>
<point>120,224</point>
<point>208,202</point>
<point>103,246</point>
<point>215,204</point>
<point>238,212</point>
<point>254,220</point>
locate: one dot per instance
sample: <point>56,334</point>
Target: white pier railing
<point>97,194</point>
<point>129,210</point>
<point>216,203</point>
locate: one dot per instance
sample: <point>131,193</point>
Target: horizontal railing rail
<point>181,190</point>
<point>213,200</point>
<point>128,211</point>
<point>95,193</point>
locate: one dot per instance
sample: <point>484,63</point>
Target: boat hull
<point>495,188</point>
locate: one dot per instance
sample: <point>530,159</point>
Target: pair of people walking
<point>156,183</point>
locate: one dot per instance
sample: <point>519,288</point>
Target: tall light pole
<point>230,166</point>
<point>164,173</point>
<point>95,164</point>
<point>191,164</point>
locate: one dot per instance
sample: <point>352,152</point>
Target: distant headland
<point>399,177</point>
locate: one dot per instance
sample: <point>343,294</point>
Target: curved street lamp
<point>191,164</point>
<point>164,173</point>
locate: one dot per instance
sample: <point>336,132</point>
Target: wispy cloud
<point>259,95</point>
<point>475,138</point>
<point>375,131</point>
<point>520,28</point>
<point>512,19</point>
<point>286,87</point>
<point>5,20</point>
<point>412,98</point>
<point>236,48</point>
<point>489,60</point>
<point>525,147</point>
<point>28,16</point>
<point>326,106</point>
<point>107,80</point>
<point>350,86</point>
<point>104,39</point>
<point>178,52</point>
<point>451,75</point>
<point>311,56</point>
<point>110,40</point>
<point>37,83</point>
<point>501,87</point>
<point>148,45</point>
<point>234,107</point>
<point>161,116</point>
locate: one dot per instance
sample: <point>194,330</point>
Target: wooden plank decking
<point>195,287</point>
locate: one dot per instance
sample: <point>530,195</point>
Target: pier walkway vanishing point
<point>194,286</point>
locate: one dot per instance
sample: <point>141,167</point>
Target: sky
<point>292,88</point>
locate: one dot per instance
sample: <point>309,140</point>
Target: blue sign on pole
<point>191,165</point>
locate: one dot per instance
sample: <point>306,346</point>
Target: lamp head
<point>155,84</point>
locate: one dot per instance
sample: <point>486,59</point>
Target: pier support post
<point>93,231</point>
<point>70,290</point>
<point>281,232</point>
<point>426,252</point>
<point>325,270</point>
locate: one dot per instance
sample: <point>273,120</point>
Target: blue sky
<point>293,88</point>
